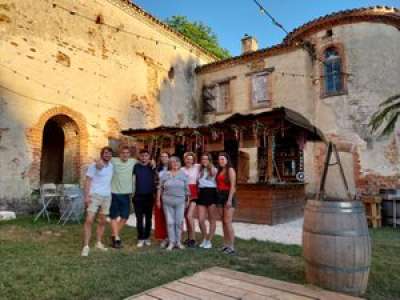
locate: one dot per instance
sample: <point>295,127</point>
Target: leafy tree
<point>386,116</point>
<point>199,33</point>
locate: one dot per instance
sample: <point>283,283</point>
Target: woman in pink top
<point>191,169</point>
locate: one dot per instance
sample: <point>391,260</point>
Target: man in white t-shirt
<point>97,199</point>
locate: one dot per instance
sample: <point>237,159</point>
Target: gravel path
<point>288,233</point>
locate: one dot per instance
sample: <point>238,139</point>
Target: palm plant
<point>386,116</point>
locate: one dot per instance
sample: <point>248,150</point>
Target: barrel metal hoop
<point>336,211</point>
<point>346,233</point>
<point>335,204</point>
<point>337,269</point>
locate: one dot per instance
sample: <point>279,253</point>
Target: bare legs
<point>229,234</point>
<point>190,220</point>
<point>116,226</point>
<point>87,228</point>
<point>203,212</point>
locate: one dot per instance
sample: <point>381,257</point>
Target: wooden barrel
<point>337,246</point>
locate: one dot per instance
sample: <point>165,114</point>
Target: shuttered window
<point>223,97</point>
<point>259,89</point>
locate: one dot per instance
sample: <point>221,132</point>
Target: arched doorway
<point>51,169</point>
<point>60,151</point>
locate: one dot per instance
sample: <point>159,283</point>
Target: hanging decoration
<point>236,131</point>
<point>198,140</point>
<point>214,134</point>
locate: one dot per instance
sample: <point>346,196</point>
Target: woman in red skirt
<point>160,232</point>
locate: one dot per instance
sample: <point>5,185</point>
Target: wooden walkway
<point>225,284</point>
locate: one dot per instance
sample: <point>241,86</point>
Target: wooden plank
<point>200,293</point>
<point>164,293</point>
<point>233,292</point>
<point>309,291</point>
<point>141,297</point>
<point>253,288</point>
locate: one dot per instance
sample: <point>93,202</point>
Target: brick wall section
<point>371,183</point>
<point>34,136</point>
<point>366,181</point>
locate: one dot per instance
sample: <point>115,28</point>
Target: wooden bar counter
<point>262,203</point>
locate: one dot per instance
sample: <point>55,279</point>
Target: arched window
<point>333,73</point>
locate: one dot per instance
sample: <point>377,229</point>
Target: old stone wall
<point>84,61</point>
<point>372,60</point>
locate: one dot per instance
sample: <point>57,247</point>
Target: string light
<point>303,44</point>
<point>43,85</point>
<point>118,29</point>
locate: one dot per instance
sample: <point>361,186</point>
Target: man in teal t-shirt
<point>122,188</point>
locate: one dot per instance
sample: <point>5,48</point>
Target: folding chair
<point>72,201</point>
<point>48,193</point>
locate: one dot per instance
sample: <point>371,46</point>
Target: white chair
<point>72,202</point>
<point>48,193</point>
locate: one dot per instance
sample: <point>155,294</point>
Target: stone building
<point>335,71</point>
<point>72,73</point>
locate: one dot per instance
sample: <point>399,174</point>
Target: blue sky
<point>230,20</point>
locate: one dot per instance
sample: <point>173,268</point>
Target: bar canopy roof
<point>272,119</point>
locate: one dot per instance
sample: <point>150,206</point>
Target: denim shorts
<point>120,206</point>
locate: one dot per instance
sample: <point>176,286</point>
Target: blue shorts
<point>120,205</point>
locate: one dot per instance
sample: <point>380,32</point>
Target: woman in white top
<point>207,199</point>
<point>191,169</point>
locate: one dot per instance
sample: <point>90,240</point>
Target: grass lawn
<point>41,261</point>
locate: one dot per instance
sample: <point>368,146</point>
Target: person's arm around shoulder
<point>232,190</point>
<point>99,164</point>
<point>214,172</point>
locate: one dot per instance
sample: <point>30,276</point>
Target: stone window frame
<point>269,85</point>
<point>339,47</point>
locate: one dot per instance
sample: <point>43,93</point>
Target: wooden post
<point>270,157</point>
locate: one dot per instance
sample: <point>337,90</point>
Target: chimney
<point>249,44</point>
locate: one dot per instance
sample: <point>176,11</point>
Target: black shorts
<point>222,198</point>
<point>207,196</point>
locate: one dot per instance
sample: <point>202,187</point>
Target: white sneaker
<point>85,251</point>
<point>147,243</point>
<point>140,244</point>
<point>170,247</point>
<point>203,243</point>
<point>164,244</point>
<point>180,246</point>
<point>100,246</point>
<point>207,245</point>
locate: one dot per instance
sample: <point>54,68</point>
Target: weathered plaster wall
<point>288,91</point>
<point>372,58</point>
<point>54,62</point>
